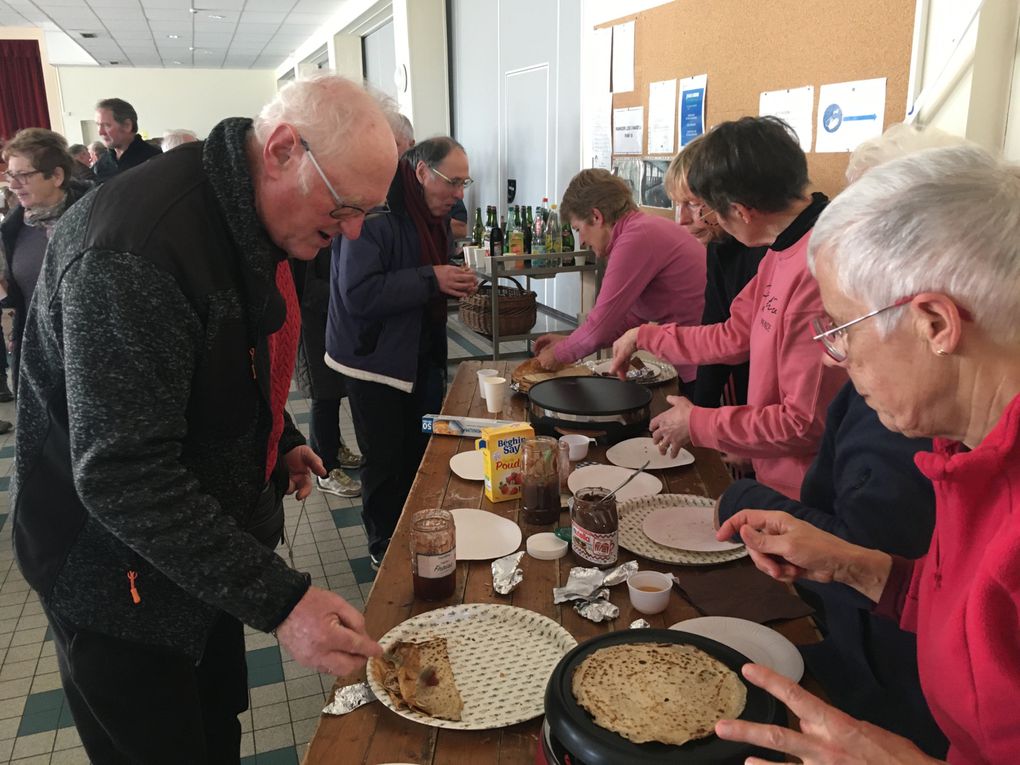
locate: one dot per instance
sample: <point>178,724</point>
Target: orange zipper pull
<point>135,597</point>
<point>251,353</point>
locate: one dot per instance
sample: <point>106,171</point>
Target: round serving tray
<point>633,513</point>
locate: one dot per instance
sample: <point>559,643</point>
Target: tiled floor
<point>285,698</point>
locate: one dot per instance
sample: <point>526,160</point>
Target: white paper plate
<point>685,527</point>
<point>469,465</point>
<point>482,535</point>
<point>502,658</point>
<point>611,476</point>
<point>632,515</point>
<point>635,452</point>
<point>757,642</point>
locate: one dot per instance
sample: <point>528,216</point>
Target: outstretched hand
<point>826,737</point>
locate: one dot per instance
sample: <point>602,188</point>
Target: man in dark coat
<point>117,121</point>
<point>154,446</point>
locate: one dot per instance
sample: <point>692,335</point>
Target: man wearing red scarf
<point>387,324</point>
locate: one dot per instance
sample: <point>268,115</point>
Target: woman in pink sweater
<point>752,175</point>
<point>655,270</point>
<point>922,314</point>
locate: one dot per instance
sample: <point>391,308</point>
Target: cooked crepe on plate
<point>529,373</point>
<point>658,691</point>
<point>419,676</point>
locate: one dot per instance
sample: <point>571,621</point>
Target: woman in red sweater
<point>752,175</point>
<point>919,271</point>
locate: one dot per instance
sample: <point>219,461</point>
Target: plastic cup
<point>482,374</point>
<point>649,591</point>
<point>580,260</point>
<point>495,393</point>
<point>577,446</point>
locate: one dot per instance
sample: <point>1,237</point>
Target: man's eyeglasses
<point>20,178</point>
<point>343,211</point>
<point>700,213</point>
<point>457,183</point>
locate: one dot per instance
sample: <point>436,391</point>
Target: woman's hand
<point>545,354</point>
<point>787,548</point>
<point>671,430</point>
<point>456,281</point>
<point>301,462</point>
<point>623,349</point>
<point>826,737</point>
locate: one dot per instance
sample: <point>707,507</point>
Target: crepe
<point>529,373</point>
<point>419,676</point>
<point>658,691</point>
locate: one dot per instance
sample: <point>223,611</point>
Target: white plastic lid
<point>546,546</point>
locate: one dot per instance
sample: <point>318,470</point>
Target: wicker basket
<point>518,309</point>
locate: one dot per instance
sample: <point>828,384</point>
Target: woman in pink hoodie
<point>751,175</point>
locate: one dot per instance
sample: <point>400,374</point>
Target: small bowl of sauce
<point>649,591</point>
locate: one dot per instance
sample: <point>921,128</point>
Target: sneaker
<point>348,459</point>
<point>339,483</point>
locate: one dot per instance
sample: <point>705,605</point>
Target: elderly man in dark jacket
<point>154,447</point>
<point>387,325</point>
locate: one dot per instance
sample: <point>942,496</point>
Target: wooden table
<point>373,734</point>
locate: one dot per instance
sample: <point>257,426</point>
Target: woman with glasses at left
<point>40,173</point>
<point>386,331</point>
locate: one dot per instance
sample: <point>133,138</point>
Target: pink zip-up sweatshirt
<point>963,597</point>
<point>656,272</point>
<point>789,390</point>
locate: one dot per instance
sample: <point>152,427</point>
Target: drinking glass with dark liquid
<point>540,505</point>
<point>433,554</point>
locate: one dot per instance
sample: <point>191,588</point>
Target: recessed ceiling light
<point>177,62</point>
<point>88,35</point>
<point>192,10</point>
<point>191,48</point>
<point>216,16</point>
<point>172,37</point>
<point>114,63</point>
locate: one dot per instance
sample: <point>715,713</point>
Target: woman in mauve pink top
<point>751,175</point>
<point>655,270</point>
<point>921,312</point>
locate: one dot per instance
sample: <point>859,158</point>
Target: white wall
<point>193,99</point>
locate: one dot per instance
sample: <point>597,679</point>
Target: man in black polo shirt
<point>117,121</point>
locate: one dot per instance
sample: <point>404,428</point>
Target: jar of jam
<point>595,528</point>
<point>540,505</point>
<point>433,554</point>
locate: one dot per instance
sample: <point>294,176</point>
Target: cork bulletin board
<point>750,46</point>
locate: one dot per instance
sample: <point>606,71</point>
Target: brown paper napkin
<point>742,591</point>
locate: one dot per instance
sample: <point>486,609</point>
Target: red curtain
<point>22,90</point>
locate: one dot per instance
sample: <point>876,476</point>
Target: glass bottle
<point>540,505</point>
<point>594,528</point>
<point>433,554</point>
<point>553,234</point>
<point>478,234</point>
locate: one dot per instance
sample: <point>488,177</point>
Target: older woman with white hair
<point>922,313</point>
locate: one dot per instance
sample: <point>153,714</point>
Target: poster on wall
<point>630,170</point>
<point>628,130</point>
<point>662,117</point>
<point>795,107</point>
<point>653,188</point>
<point>849,113</point>
<point>692,107</point>
<point>623,57</point>
<point>602,131</point>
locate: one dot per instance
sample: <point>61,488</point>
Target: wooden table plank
<point>373,734</point>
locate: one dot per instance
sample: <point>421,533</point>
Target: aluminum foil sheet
<point>639,624</point>
<point>505,573</point>
<point>349,698</point>
<point>583,582</point>
<point>597,609</point>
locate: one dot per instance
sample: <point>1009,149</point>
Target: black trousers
<point>135,704</point>
<point>388,425</point>
<point>324,430</point>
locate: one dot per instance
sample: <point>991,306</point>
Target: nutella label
<point>436,566</point>
<point>600,549</point>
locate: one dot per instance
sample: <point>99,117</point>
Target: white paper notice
<point>623,57</point>
<point>849,113</point>
<point>795,106</point>
<point>602,59</point>
<point>662,117</point>
<point>628,130</point>
<point>601,131</point>
<point>692,107</point>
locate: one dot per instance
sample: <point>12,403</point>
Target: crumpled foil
<point>639,624</point>
<point>505,573</point>
<point>349,698</point>
<point>597,609</point>
<point>583,582</point>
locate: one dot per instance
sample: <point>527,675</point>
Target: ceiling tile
<point>167,14</point>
